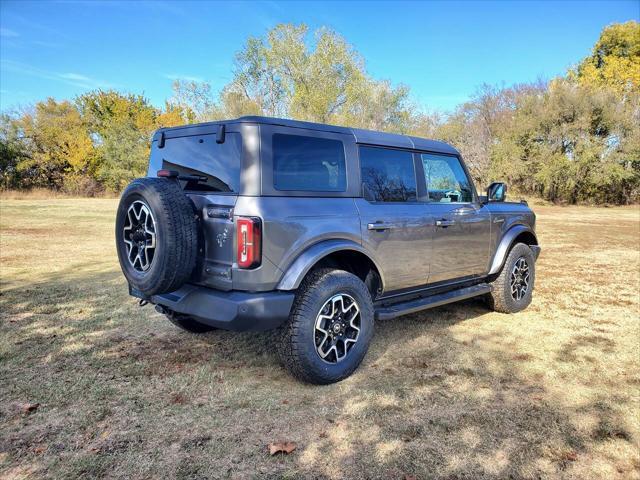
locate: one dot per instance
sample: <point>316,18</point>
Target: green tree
<point>285,74</point>
<point>13,152</point>
<point>193,100</point>
<point>571,144</point>
<point>121,126</point>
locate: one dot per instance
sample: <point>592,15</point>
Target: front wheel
<point>329,328</point>
<point>513,288</point>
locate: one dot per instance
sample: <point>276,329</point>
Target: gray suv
<point>316,231</point>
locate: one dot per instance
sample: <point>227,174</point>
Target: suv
<point>317,231</point>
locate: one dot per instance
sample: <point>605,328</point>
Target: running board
<point>393,311</point>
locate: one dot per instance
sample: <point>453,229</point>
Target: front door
<point>461,240</point>
<point>395,226</point>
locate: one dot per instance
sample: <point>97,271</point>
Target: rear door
<point>395,225</point>
<point>461,240</point>
<point>194,151</point>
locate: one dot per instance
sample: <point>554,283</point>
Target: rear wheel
<point>513,288</point>
<point>329,328</point>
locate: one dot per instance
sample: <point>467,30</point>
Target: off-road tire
<point>176,235</point>
<point>187,323</point>
<point>296,338</point>
<point>500,299</point>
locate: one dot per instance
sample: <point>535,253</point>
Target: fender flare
<point>505,245</point>
<point>296,272</point>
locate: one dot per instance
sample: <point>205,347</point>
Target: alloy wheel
<point>519,280</point>
<point>337,328</point>
<point>139,234</point>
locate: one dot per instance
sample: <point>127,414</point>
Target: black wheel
<point>329,328</point>
<point>187,323</point>
<point>513,288</point>
<point>156,235</point>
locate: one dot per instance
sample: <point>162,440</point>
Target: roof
<point>370,137</point>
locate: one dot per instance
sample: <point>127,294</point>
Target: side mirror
<point>497,192</point>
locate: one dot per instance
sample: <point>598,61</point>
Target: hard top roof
<point>370,137</point>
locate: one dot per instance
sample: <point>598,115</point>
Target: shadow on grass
<point>123,393</point>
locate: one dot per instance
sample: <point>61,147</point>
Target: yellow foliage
<point>59,135</point>
<point>615,60</point>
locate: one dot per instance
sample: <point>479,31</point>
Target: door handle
<point>444,223</point>
<point>380,226</point>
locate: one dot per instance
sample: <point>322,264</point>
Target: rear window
<point>388,175</point>
<point>308,164</point>
<point>201,155</point>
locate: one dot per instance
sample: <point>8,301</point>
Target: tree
<point>614,61</point>
<point>324,80</point>
<point>13,152</point>
<point>571,143</point>
<point>57,141</point>
<point>193,100</point>
<point>101,109</point>
<point>121,126</point>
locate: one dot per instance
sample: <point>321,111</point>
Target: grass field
<point>456,392</point>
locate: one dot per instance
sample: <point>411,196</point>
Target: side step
<point>398,309</point>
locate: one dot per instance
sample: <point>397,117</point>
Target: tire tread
<point>290,344</point>
<point>498,300</point>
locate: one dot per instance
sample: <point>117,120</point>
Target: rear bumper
<point>239,311</point>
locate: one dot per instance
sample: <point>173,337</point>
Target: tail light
<point>248,234</point>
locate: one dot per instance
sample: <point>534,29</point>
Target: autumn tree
<point>194,101</point>
<point>121,127</point>
<point>287,74</point>
<point>614,61</point>
<point>572,139</point>
<point>58,144</point>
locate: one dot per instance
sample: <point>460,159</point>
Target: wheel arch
<point>516,234</point>
<point>343,254</point>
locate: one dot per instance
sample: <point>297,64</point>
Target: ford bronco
<point>317,231</point>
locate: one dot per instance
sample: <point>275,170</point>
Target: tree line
<point>573,139</point>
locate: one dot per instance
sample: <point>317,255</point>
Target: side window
<point>308,164</point>
<point>446,179</point>
<point>388,175</point>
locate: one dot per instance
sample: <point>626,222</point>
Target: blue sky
<point>442,50</point>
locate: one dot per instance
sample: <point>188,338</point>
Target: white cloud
<point>75,79</point>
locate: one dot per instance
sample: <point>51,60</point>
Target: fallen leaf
<point>28,408</point>
<point>178,398</point>
<point>281,447</point>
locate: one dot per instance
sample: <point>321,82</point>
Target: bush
<point>82,186</point>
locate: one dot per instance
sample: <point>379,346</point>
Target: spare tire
<point>156,235</point>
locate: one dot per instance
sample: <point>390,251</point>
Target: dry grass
<point>44,194</point>
<point>456,392</point>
